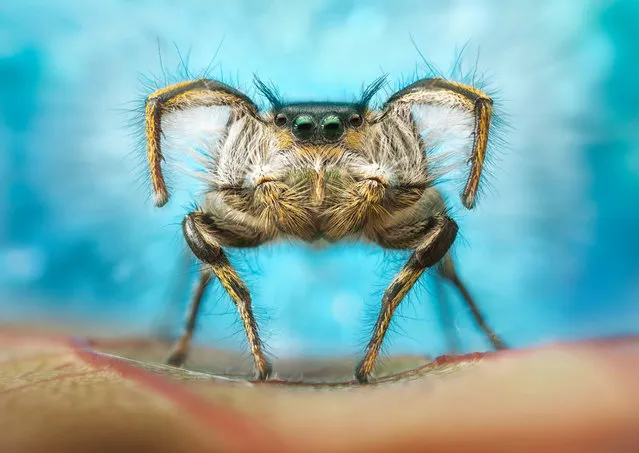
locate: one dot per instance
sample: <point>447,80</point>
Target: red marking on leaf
<point>240,431</point>
<point>450,359</point>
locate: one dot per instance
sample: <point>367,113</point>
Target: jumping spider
<point>328,171</point>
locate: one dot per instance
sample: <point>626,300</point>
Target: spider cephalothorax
<point>327,171</point>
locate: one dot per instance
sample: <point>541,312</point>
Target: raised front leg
<point>439,232</point>
<point>184,96</point>
<point>205,236</point>
<point>433,96</point>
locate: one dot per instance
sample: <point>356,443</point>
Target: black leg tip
<point>498,343</point>
<point>176,359</point>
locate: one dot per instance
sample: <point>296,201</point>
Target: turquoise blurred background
<point>551,252</point>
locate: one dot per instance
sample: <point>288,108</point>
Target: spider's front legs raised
<point>437,92</point>
<point>439,232</point>
<point>203,236</point>
<point>183,96</point>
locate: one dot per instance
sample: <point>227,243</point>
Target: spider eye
<point>356,120</point>
<point>280,119</point>
<point>332,127</point>
<point>304,127</point>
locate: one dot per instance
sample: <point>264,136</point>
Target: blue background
<point>550,253</point>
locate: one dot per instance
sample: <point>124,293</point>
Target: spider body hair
<point>322,171</point>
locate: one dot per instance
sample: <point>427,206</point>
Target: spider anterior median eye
<point>356,120</point>
<point>280,119</point>
<point>304,127</point>
<point>332,127</point>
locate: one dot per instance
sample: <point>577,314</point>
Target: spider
<point>323,171</point>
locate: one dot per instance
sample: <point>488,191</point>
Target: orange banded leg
<point>440,92</point>
<point>182,96</point>
<point>203,237</point>
<point>438,238</point>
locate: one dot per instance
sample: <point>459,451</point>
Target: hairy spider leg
<point>180,96</point>
<point>448,272</point>
<point>442,92</point>
<point>180,349</point>
<point>438,234</point>
<point>445,313</point>
<point>205,237</point>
